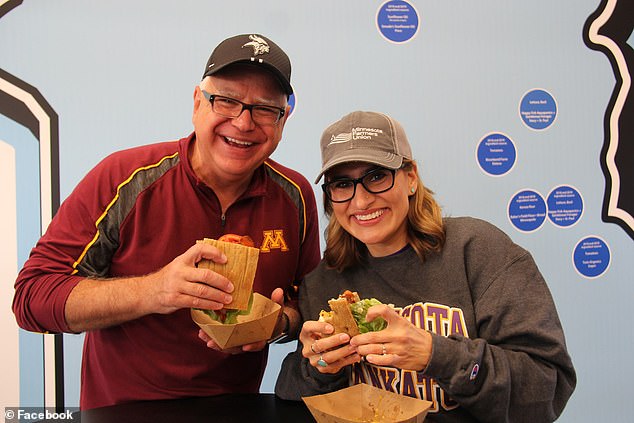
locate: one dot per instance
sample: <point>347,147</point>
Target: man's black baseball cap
<point>253,49</point>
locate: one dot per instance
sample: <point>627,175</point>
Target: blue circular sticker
<point>538,109</point>
<point>565,206</point>
<point>527,210</point>
<point>496,154</point>
<point>591,257</point>
<point>397,21</point>
<point>291,102</point>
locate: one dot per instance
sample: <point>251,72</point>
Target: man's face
<point>230,149</point>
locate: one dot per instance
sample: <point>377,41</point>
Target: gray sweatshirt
<point>498,348</point>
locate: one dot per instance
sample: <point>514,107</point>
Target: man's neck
<point>228,192</point>
<point>227,187</point>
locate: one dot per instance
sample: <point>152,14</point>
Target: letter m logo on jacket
<point>273,239</point>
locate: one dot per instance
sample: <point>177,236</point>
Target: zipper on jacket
<point>223,220</point>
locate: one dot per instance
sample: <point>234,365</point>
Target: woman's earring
<point>413,190</point>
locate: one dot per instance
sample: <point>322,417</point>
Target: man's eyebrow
<point>237,95</point>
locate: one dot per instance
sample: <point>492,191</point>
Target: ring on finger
<point>384,350</point>
<point>312,348</point>
<point>321,362</point>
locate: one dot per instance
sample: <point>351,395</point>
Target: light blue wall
<point>28,229</point>
<point>121,73</point>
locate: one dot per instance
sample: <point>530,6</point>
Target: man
<point>118,261</point>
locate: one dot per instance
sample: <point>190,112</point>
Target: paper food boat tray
<point>365,403</point>
<point>253,327</point>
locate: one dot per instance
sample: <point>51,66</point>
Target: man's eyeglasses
<point>375,181</point>
<point>232,108</point>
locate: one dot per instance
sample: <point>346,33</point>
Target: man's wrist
<point>285,335</point>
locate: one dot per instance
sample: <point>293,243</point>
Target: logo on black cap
<point>259,44</point>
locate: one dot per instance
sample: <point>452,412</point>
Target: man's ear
<point>197,96</point>
<point>287,111</point>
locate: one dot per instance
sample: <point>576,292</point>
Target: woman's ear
<point>412,178</point>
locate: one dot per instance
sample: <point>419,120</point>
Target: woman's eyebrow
<point>335,176</point>
<point>347,175</point>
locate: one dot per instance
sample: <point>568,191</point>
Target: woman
<point>473,327</point>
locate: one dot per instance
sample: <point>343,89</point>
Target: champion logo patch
<point>474,371</point>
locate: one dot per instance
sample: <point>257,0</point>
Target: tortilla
<point>240,268</point>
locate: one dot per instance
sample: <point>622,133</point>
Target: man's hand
<point>181,284</point>
<point>95,304</point>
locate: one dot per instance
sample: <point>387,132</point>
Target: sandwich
<point>240,268</point>
<point>347,314</point>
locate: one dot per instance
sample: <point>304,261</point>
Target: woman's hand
<point>401,344</point>
<point>328,354</point>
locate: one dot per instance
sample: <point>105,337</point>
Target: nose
<point>244,121</point>
<point>362,198</point>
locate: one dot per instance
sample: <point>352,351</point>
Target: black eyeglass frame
<point>356,181</point>
<point>212,97</point>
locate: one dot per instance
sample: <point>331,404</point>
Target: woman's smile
<point>369,217</point>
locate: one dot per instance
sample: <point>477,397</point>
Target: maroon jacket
<point>131,215</point>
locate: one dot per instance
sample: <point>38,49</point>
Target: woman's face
<point>377,220</point>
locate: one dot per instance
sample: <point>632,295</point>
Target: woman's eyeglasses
<point>375,181</point>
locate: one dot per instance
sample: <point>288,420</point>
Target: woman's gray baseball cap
<point>362,136</point>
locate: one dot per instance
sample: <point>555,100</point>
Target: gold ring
<point>384,349</point>
<point>312,348</point>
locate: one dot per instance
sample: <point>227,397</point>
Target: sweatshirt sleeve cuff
<point>454,360</point>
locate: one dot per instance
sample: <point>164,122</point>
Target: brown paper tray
<point>253,327</point>
<point>365,403</point>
